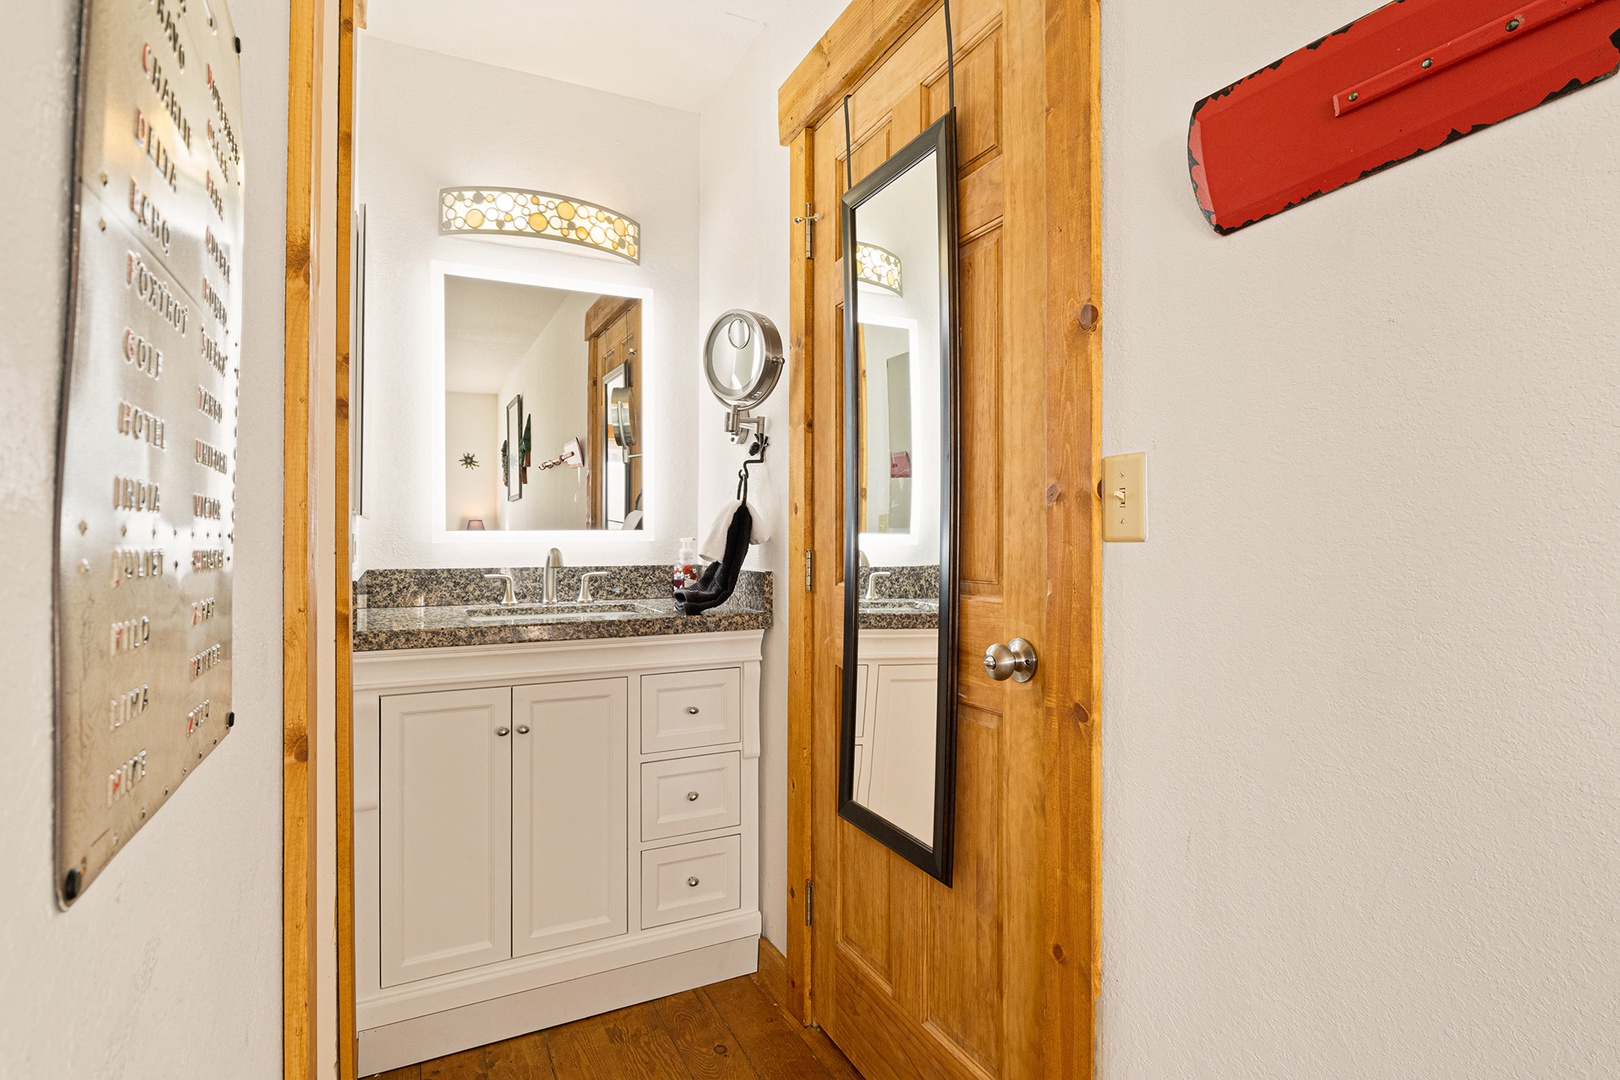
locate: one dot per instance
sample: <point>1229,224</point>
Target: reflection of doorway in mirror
<point>613,331</point>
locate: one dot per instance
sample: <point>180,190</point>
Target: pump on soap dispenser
<point>687,570</point>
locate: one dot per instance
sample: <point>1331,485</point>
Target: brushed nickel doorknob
<point>1015,660</point>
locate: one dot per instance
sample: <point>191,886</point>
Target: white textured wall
<point>426,121</point>
<point>170,965</point>
<point>746,224</point>
<point>1361,807</point>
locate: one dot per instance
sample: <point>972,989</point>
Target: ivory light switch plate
<point>1124,494</point>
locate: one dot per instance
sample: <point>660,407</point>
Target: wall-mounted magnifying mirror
<point>897,768</point>
<point>742,360</point>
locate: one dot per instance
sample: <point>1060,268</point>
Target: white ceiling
<point>673,52</point>
<point>488,326</point>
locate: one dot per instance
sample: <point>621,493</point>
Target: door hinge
<point>809,902</point>
<point>809,220</point>
<point>810,571</point>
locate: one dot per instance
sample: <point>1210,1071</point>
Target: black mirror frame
<point>939,138</point>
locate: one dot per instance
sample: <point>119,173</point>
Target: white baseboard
<point>427,1037</point>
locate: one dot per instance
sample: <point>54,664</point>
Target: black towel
<point>720,578</point>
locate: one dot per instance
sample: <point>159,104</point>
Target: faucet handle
<point>585,580</point>
<point>511,592</point>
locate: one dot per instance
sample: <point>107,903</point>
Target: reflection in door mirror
<point>897,764</point>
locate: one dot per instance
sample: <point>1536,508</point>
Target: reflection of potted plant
<point>525,449</point>
<point>506,474</point>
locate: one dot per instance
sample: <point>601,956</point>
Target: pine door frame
<point>1071,650</point>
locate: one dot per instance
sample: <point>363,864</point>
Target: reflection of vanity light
<point>539,215</point>
<point>475,524</point>
<point>877,266</point>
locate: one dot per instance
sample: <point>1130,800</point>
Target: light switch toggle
<point>1125,506</point>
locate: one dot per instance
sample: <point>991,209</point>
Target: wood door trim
<point>1073,839</point>
<point>602,314</point>
<point>298,686</point>
<point>855,43</point>
<point>801,605</point>
<point>348,1034</point>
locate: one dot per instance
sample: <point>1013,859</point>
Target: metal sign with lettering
<point>147,443</point>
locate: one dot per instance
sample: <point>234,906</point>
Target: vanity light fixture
<point>540,215</point>
<point>877,266</point>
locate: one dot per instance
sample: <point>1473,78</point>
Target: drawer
<point>685,709</point>
<point>690,795</point>
<point>689,881</point>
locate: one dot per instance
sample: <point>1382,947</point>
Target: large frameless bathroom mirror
<point>897,762</point>
<point>543,399</point>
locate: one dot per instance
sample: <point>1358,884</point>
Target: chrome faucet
<point>585,584</point>
<point>871,582</point>
<point>511,594</point>
<point>553,561</point>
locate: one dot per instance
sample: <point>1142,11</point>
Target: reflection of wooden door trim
<point>605,312</point>
<point>1066,106</point>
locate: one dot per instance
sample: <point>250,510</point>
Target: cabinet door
<point>570,813</point>
<point>446,809</point>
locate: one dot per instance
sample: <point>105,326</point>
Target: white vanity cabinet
<point>548,831</point>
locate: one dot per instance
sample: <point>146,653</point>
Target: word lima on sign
<point>129,705</point>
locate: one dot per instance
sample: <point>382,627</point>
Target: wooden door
<point>569,813</point>
<point>446,813</point>
<point>993,976</point>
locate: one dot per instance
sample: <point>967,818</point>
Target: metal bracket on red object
<point>1438,70</point>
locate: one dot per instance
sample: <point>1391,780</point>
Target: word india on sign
<point>143,582</point>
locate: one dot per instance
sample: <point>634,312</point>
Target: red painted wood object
<point>1411,76</point>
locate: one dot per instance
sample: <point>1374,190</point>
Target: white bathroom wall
<point>554,378</point>
<point>1361,684</point>
<point>745,230</point>
<point>426,121</point>
<point>472,423</point>
<point>170,964</point>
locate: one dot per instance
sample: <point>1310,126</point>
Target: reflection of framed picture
<point>514,440</point>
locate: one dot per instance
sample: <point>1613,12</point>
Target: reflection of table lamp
<point>572,455</point>
<point>475,524</point>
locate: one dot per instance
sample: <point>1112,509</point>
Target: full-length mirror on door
<point>897,763</point>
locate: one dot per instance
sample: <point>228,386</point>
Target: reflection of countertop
<point>898,620</point>
<point>449,623</point>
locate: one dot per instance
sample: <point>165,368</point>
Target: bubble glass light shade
<point>540,215</point>
<point>877,266</point>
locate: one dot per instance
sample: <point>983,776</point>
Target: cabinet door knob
<point>523,729</point>
<point>691,796</point>
<point>692,882</point>
<point>503,732</point>
<point>691,710</point>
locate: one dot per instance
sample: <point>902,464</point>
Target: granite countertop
<point>430,609</point>
<point>904,598</point>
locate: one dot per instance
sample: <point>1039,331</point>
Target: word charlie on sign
<point>145,532</point>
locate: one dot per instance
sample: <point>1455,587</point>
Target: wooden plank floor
<point>729,1031</point>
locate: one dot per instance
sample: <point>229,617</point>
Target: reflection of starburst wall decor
<point>539,215</point>
<point>468,461</point>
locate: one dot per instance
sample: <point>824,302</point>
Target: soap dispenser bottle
<point>686,564</point>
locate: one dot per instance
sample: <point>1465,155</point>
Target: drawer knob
<point>691,796</point>
<point>692,882</point>
<point>503,732</point>
<point>691,710</point>
<point>523,729</point>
